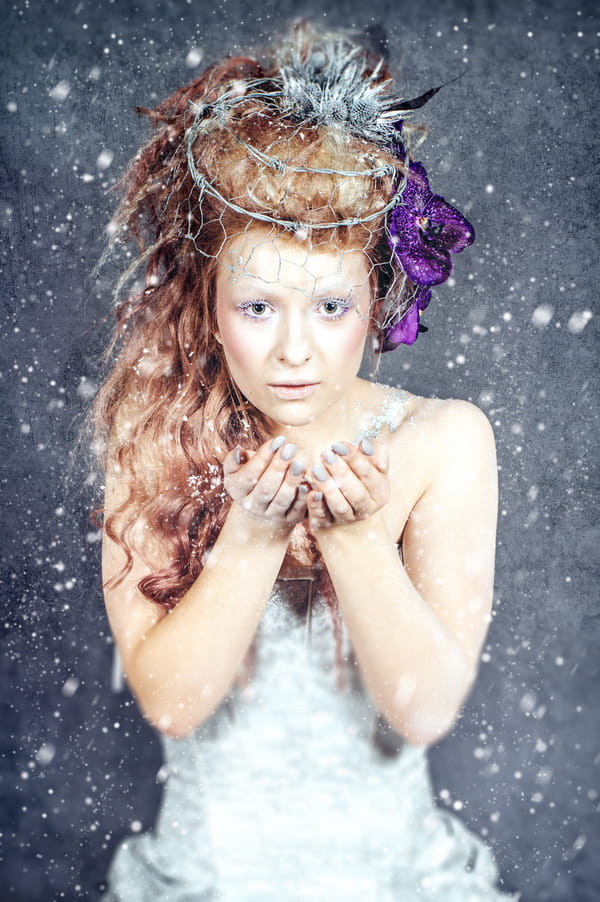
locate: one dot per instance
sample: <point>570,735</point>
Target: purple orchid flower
<point>425,230</point>
<point>406,330</point>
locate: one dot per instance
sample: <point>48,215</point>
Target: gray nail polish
<point>367,447</point>
<point>288,451</point>
<point>340,448</point>
<point>318,496</point>
<point>297,468</point>
<point>277,442</point>
<point>329,457</point>
<point>303,489</point>
<point>320,473</point>
<point>237,455</point>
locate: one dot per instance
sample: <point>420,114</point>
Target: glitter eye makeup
<point>248,305</point>
<point>342,306</point>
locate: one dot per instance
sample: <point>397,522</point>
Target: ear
<point>218,338</point>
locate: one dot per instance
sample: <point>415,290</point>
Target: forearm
<point>187,662</point>
<point>413,667</point>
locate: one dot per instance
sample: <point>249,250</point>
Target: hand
<point>268,483</point>
<point>354,487</point>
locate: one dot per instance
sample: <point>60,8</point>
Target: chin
<point>290,413</point>
<point>291,418</point>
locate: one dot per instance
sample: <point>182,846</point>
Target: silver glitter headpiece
<point>327,83</point>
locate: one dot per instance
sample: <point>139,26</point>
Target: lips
<point>293,391</point>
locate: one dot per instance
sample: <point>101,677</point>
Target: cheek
<point>353,340</point>
<point>235,344</point>
<point>243,352</point>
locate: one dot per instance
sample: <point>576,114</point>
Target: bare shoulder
<point>451,421</point>
<point>437,442</point>
<point>450,416</point>
<point>456,439</point>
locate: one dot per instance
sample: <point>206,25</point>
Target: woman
<point>298,563</point>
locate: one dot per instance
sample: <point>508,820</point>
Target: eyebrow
<point>325,285</point>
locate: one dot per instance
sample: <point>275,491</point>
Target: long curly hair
<point>168,411</point>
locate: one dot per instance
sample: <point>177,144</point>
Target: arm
<point>417,628</point>
<point>180,665</point>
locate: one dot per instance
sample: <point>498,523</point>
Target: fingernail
<point>288,451</point>
<point>303,489</point>
<point>367,447</point>
<point>340,448</point>
<point>277,442</point>
<point>318,496</point>
<point>237,455</point>
<point>329,457</point>
<point>320,473</point>
<point>296,467</point>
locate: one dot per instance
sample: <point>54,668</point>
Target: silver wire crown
<point>326,84</point>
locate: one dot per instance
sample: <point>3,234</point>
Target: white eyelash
<point>345,306</point>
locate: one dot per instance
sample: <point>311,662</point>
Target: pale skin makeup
<point>286,313</point>
<point>293,322</point>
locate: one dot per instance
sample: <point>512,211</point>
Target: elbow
<point>174,730</point>
<point>426,728</point>
<point>177,718</point>
<point>169,708</point>
<point>166,716</point>
<point>427,718</point>
<point>422,725</point>
<point>172,726</point>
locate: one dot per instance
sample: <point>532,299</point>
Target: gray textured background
<point>513,145</point>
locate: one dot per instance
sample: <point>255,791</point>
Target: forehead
<point>289,262</point>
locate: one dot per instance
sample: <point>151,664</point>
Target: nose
<point>294,340</point>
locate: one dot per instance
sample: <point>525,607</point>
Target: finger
<point>287,493</point>
<point>378,452</point>
<point>318,515</point>
<point>250,470</point>
<point>363,486</point>
<point>375,452</point>
<point>276,487</point>
<point>235,459</point>
<point>335,500</point>
<point>298,508</point>
<point>369,461</point>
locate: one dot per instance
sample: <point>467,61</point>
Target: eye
<point>334,308</point>
<point>254,309</point>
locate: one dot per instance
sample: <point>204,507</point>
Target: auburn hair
<point>168,412</point>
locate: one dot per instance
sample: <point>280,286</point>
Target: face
<point>292,322</point>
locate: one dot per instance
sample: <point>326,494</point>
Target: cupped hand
<point>350,484</point>
<point>267,483</point>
